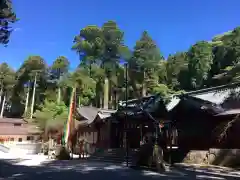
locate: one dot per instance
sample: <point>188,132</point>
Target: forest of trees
<point>39,91</point>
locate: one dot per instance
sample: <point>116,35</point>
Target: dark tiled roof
<point>12,120</point>
<point>89,114</point>
<point>132,103</point>
<point>202,104</point>
<point>229,112</point>
<point>18,130</point>
<point>216,88</point>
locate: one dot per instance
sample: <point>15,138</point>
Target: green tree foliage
<point>59,67</point>
<point>7,77</point>
<point>7,17</point>
<point>51,114</point>
<point>7,82</point>
<point>175,65</point>
<point>56,74</point>
<point>100,50</point>
<point>113,46</point>
<point>86,86</point>
<point>200,58</point>
<point>102,55</point>
<point>228,57</point>
<point>144,64</point>
<point>89,45</point>
<point>33,65</point>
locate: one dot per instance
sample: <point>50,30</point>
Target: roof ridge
<point>212,88</point>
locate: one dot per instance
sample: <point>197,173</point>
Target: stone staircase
<point>117,156</point>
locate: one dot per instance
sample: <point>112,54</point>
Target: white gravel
<point>24,159</point>
<point>8,155</point>
<point>33,160</point>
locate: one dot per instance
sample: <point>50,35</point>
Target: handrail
<point>4,148</point>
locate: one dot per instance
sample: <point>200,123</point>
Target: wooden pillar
<point>106,93</point>
<point>98,134</point>
<point>141,133</point>
<point>109,137</point>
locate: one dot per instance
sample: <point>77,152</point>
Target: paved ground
<point>71,170</point>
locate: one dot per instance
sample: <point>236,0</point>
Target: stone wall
<point>223,157</point>
<point>196,157</point>
<point>26,148</point>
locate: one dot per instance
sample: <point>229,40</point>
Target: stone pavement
<point>75,169</point>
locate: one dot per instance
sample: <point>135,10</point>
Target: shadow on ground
<point>94,170</point>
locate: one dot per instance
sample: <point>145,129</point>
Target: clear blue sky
<point>47,27</point>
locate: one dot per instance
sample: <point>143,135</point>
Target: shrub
<point>63,154</point>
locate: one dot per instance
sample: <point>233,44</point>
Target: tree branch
<point>227,127</point>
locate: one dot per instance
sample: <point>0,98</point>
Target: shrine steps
<point>116,156</point>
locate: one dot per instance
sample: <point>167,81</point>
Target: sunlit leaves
<point>31,66</point>
<point>60,66</point>
<point>89,44</point>
<point>174,65</point>
<point>51,114</point>
<point>7,78</point>
<point>200,58</point>
<point>144,64</point>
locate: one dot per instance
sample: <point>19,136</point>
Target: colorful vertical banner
<point>70,121</point>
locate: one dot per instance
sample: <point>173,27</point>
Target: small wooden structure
<point>200,123</point>
<point>137,120</point>
<point>188,121</point>
<point>14,130</point>
<point>94,127</point>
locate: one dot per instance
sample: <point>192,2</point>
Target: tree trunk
<point>33,96</point>
<point>1,91</point>
<point>115,99</point>
<point>99,94</point>
<point>79,101</point>
<point>59,89</point>
<point>144,90</point>
<point>27,99</point>
<point>59,95</point>
<point>110,95</point>
<point>106,94</point>
<point>3,105</point>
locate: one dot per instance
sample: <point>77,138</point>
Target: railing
<point>88,148</point>
<point>4,148</point>
<point>29,148</point>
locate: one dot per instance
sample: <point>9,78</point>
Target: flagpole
<point>68,123</point>
<point>74,117</point>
